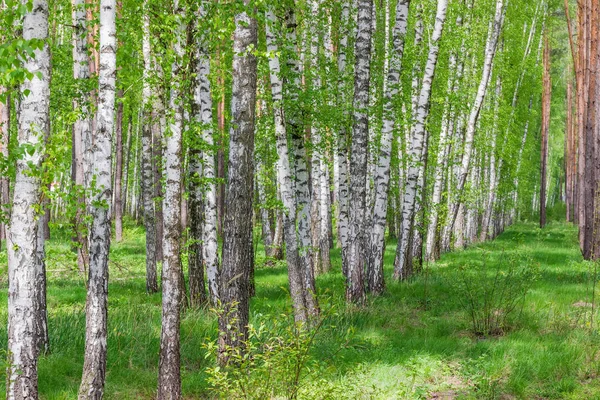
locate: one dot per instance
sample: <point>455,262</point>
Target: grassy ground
<point>414,342</point>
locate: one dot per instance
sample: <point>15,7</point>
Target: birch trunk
<point>169,375</point>
<point>157,169</point>
<point>82,129</point>
<point>490,52</point>
<point>376,248</point>
<point>448,125</point>
<point>417,150</point>
<point>237,221</point>
<point>148,207</point>
<point>118,200</point>
<point>24,291</point>
<point>209,232</point>
<point>284,179</point>
<point>493,181</point>
<point>355,288</point>
<point>125,188</point>
<point>342,178</point>
<point>295,127</point>
<point>546,105</point>
<point>94,367</point>
<point>147,171</point>
<point>5,139</point>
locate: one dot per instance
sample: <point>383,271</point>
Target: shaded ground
<point>414,342</point>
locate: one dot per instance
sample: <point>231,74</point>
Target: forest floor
<point>415,342</point>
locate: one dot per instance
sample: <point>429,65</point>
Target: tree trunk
<point>284,178</point>
<point>237,221</point>
<point>147,171</point>
<point>490,52</point>
<point>82,130</point>
<point>355,287</point>
<point>118,202</point>
<point>493,182</point>
<point>94,367</point>
<point>157,168</point>
<point>342,178</point>
<point>376,249</point>
<point>417,150</point>
<point>127,164</point>
<point>169,375</point>
<point>294,124</point>
<point>546,104</point>
<point>4,143</point>
<point>25,269</point>
<point>209,232</point>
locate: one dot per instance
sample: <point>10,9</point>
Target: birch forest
<point>299,199</point>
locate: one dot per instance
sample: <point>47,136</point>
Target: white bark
<point>237,262</point>
<point>342,177</point>
<point>169,375</point>
<point>493,182</point>
<point>382,177</point>
<point>210,245</point>
<point>417,149</point>
<point>284,178</point>
<point>82,128</point>
<point>24,266</point>
<point>490,52</point>
<point>448,124</point>
<point>147,174</point>
<point>301,188</point>
<point>359,158</point>
<point>94,368</point>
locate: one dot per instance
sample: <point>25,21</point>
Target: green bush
<point>494,298</point>
<point>272,362</point>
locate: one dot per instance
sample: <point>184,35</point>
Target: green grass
<point>413,342</point>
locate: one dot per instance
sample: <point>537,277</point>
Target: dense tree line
<point>313,123</point>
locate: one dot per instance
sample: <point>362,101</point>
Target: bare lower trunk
<point>417,151</point>
<point>157,168</point>
<point>169,374</point>
<point>237,221</point>
<point>82,130</point>
<point>284,179</point>
<point>376,247</point>
<point>118,202</point>
<point>94,367</point>
<point>342,177</point>
<point>4,180</point>
<point>298,152</point>
<point>23,246</point>
<point>546,104</point>
<point>147,171</point>
<point>490,52</point>
<point>355,286</point>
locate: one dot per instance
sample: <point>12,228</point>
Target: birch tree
<point>94,366</point>
<point>24,287</point>
<point>418,147</point>
<point>209,232</point>
<point>341,157</point>
<point>382,178</point>
<point>237,222</point>
<point>298,151</point>
<point>169,374</point>
<point>355,288</point>
<point>284,178</point>
<point>82,128</point>
<point>147,170</point>
<point>494,30</point>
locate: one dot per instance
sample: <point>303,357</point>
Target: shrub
<point>272,362</point>
<point>492,298</point>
